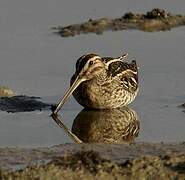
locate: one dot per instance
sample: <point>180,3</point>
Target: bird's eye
<point>91,63</point>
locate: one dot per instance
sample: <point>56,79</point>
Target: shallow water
<point>36,62</point>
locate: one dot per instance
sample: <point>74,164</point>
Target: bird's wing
<point>127,74</point>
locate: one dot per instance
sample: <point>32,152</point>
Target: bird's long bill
<point>75,84</point>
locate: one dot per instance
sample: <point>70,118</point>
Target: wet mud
<point>95,161</point>
<point>22,103</point>
<point>154,20</point>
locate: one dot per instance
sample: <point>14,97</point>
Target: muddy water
<point>36,62</point>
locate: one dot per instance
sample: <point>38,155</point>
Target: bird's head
<point>88,67</point>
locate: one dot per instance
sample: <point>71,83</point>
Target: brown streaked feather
<point>117,67</point>
<point>125,72</point>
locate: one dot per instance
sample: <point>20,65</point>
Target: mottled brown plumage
<point>106,126</point>
<point>103,83</point>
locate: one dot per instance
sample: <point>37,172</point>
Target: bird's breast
<point>102,96</point>
<point>91,94</point>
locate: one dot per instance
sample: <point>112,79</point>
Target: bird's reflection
<point>104,126</point>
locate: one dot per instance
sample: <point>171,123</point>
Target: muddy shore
<point>95,161</point>
<point>154,20</point>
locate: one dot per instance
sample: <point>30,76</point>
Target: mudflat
<point>154,20</point>
<point>95,161</point>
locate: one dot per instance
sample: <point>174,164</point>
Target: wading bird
<point>102,82</point>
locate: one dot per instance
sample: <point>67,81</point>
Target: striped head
<point>89,66</point>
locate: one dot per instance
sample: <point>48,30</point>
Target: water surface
<point>36,62</point>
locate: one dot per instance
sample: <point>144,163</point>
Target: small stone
<point>6,92</point>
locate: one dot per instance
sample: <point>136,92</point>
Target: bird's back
<point>126,73</point>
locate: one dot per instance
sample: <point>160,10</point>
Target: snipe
<point>102,82</point>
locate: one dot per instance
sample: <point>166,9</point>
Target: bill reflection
<point>103,126</point>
